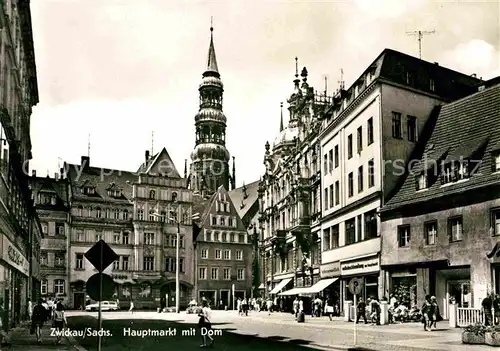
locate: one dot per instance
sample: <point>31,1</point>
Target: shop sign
<point>362,266</point>
<point>330,270</point>
<point>13,256</point>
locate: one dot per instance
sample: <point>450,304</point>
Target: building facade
<point>21,232</point>
<point>210,157</point>
<point>441,228</point>
<point>223,254</point>
<point>368,134</point>
<point>289,196</point>
<point>52,204</point>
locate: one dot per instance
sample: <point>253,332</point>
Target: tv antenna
<point>420,34</point>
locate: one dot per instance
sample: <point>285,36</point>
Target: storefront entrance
<point>459,290</point>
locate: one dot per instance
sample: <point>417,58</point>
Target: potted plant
<point>474,334</point>
<point>492,336</point>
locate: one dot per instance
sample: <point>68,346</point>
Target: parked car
<point>105,306</point>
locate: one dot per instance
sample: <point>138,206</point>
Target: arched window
<point>152,216</point>
<point>116,213</point>
<point>91,211</point>
<point>163,216</point>
<point>174,196</point>
<point>152,195</point>
<point>107,213</point>
<point>98,213</point>
<point>125,214</point>
<point>140,215</point>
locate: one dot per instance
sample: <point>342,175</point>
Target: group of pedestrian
<point>491,308</point>
<point>242,305</point>
<point>43,312</point>
<point>430,313</point>
<point>369,310</point>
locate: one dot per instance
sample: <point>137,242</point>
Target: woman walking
<point>426,312</point>
<point>329,308</point>
<point>59,320</point>
<point>205,325</point>
<point>435,316</point>
<point>40,315</point>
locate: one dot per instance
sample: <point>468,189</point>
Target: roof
<point>160,164</point>
<point>59,187</point>
<point>212,60</point>
<point>466,127</point>
<point>244,204</point>
<point>102,180</point>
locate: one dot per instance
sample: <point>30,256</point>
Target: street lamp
<point>177,283</point>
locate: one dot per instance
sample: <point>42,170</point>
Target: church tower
<point>210,158</point>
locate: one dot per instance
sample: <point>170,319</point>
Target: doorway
<point>210,296</point>
<point>224,298</point>
<point>79,300</point>
<point>459,290</point>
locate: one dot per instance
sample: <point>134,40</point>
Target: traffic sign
<point>94,290</point>
<point>101,255</point>
<point>355,286</point>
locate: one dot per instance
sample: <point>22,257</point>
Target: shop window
<point>404,236</point>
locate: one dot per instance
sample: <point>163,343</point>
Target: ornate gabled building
<point>223,253</point>
<point>210,157</point>
<point>290,196</point>
<point>52,204</point>
<point>138,215</point>
<point>21,231</point>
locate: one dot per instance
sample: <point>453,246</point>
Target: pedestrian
<point>361,311</point>
<point>426,310</point>
<point>436,316</point>
<point>59,320</point>
<point>296,307</point>
<point>244,305</point>
<point>205,324</point>
<point>131,309</point>
<point>487,307</point>
<point>375,311</point>
<point>496,309</point>
<point>40,315</point>
<point>329,308</point>
<point>269,306</point>
<point>30,309</point>
<point>238,305</point>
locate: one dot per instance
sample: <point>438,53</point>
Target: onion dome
<point>210,114</point>
<point>210,151</point>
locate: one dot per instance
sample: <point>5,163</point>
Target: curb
<point>72,341</point>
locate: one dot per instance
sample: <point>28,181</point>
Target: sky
<point>122,69</point>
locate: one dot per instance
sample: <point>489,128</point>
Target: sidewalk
<point>21,339</point>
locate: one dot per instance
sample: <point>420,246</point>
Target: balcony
<point>300,225</point>
<point>152,275</point>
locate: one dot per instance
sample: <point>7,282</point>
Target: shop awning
<point>321,285</point>
<point>280,286</point>
<point>294,291</point>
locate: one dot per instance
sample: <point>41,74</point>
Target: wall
<point>406,102</point>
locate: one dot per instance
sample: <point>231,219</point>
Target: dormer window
<point>89,190</point>
<point>152,195</point>
<point>449,174</point>
<point>455,171</point>
<point>117,193</point>
<point>496,162</point>
<point>463,170</point>
<point>421,182</point>
<point>53,200</point>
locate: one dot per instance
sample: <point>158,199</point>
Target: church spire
<point>281,120</point>
<point>212,60</point>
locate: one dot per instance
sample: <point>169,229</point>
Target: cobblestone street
<point>317,333</point>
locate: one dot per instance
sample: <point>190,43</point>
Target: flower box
<point>492,338</point>
<point>472,338</point>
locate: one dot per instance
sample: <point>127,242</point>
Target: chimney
<point>56,176</point>
<point>33,173</point>
<point>85,162</point>
<point>147,155</point>
<point>436,63</point>
<point>473,75</point>
<point>61,171</point>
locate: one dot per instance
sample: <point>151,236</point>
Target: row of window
<point>163,217</point>
<point>222,254</point>
<point>123,238</point>
<point>354,231</point>
<point>332,193</point>
<point>58,261</point>
<point>58,287</point>
<point>53,228</point>
<point>411,127</point>
<point>214,273</point>
<point>122,263</point>
<point>452,172</point>
<point>225,237</point>
<point>170,240</point>
<point>331,159</point>
<point>98,212</point>
<point>223,221</point>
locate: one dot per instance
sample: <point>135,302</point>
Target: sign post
<point>100,256</point>
<point>355,286</point>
